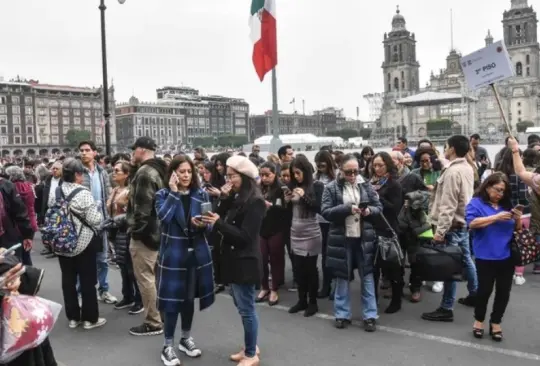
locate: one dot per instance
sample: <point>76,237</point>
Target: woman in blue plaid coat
<point>185,261</point>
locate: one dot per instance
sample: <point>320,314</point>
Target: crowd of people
<point>182,229</point>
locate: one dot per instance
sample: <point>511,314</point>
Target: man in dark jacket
<point>144,229</point>
<point>15,222</point>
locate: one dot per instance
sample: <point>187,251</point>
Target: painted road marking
<point>425,336</point>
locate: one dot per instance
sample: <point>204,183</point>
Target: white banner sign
<point>487,66</point>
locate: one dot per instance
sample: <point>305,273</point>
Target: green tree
<point>441,127</point>
<point>74,137</point>
<point>365,133</point>
<point>206,141</point>
<point>345,134</point>
<point>523,125</point>
<point>232,140</point>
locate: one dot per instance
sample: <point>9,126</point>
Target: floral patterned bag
<point>25,323</point>
<point>524,248</point>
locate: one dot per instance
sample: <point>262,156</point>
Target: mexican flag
<point>263,35</point>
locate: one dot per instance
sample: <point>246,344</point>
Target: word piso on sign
<point>487,66</point>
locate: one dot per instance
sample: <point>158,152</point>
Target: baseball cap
<point>144,142</point>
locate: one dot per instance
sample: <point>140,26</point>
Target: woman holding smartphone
<point>185,261</point>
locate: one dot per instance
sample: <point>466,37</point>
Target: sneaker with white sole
<point>100,322</point>
<point>146,330</point>
<point>188,346</point>
<point>107,298</point>
<point>74,324</point>
<point>437,287</point>
<point>169,357</point>
<point>519,280</point>
<point>123,304</point>
<point>136,309</point>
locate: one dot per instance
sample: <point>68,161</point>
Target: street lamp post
<point>106,112</point>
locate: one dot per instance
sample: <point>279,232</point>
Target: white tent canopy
<point>433,98</point>
<point>301,138</point>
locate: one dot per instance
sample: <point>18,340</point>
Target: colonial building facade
<point>179,115</point>
<point>35,118</point>
<point>519,94</point>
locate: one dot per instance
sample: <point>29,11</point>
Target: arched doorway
<point>18,152</point>
<point>43,152</point>
<point>66,151</point>
<point>5,153</point>
<point>56,151</point>
<point>31,152</point>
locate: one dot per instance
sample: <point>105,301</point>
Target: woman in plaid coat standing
<point>185,261</point>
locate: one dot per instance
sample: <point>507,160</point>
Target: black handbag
<point>388,248</point>
<point>435,262</point>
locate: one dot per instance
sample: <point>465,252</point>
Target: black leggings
<point>498,274</point>
<point>307,277</point>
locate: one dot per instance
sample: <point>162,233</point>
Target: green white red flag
<point>264,36</point>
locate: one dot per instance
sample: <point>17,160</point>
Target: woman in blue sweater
<point>491,216</point>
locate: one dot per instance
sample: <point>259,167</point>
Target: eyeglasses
<point>498,190</point>
<point>351,172</point>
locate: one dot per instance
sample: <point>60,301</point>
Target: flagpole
<point>275,143</point>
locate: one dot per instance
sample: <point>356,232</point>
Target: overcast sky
<point>330,52</point>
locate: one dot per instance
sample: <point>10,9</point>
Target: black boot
<point>395,303</point>
<point>302,303</point>
<point>326,287</point>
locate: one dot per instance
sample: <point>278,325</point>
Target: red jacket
<point>26,191</point>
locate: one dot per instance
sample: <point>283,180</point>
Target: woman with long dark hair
<point>326,173</point>
<point>364,162</point>
<point>519,196</point>
<point>185,261</point>
<point>237,224</point>
<point>385,182</point>
<point>305,201</point>
<point>117,208</point>
<point>492,218</point>
<point>272,234</point>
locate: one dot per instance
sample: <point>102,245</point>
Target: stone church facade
<point>520,94</point>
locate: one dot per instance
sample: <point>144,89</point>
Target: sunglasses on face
<point>351,172</point>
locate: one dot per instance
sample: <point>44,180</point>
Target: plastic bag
<point>26,322</point>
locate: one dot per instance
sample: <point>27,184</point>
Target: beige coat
<point>453,191</point>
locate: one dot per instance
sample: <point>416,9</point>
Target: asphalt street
<point>402,338</point>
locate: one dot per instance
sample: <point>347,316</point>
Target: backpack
<point>59,232</point>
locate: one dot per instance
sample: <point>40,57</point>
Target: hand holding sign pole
<point>487,66</point>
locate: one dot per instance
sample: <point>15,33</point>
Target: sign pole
<point>501,110</point>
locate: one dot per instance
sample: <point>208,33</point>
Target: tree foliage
<point>207,141</point>
<point>74,137</point>
<point>232,140</point>
<point>523,125</point>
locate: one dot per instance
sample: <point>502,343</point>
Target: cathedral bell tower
<point>520,36</point>
<point>400,67</point>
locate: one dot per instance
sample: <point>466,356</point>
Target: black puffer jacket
<point>338,259</point>
<point>119,236</point>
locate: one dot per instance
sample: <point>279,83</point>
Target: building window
<point>528,70</point>
<point>30,129</point>
<point>3,130</point>
<point>53,103</point>
<point>29,139</point>
<point>29,110</point>
<point>75,104</point>
<point>65,121</point>
<point>77,121</point>
<point>519,69</point>
<point>77,112</point>
<point>65,112</point>
<point>64,104</point>
<point>28,100</point>
<point>54,112</point>
<point>3,109</point>
<point>41,103</point>
<point>15,109</point>
<point>528,59</point>
<point>402,85</point>
<point>17,140</point>
<point>87,121</point>
<point>54,139</point>
<point>2,100</point>
<point>396,84</point>
<point>29,120</point>
<point>15,100</point>
<point>16,120</point>
<point>54,130</point>
<point>87,113</point>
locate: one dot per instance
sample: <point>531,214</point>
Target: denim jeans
<point>342,294</point>
<point>460,238</point>
<point>244,300</point>
<point>171,319</point>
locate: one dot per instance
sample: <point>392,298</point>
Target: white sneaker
<point>519,280</point>
<point>437,287</point>
<point>74,324</point>
<point>100,322</point>
<point>107,298</point>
